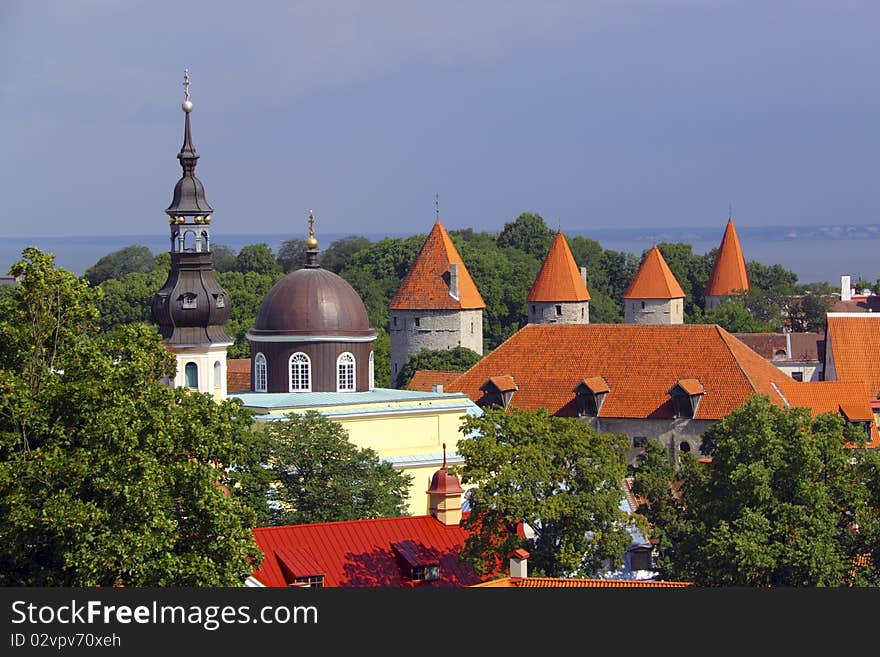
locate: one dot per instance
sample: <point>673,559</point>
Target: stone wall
<point>559,312</point>
<point>653,311</point>
<point>414,330</point>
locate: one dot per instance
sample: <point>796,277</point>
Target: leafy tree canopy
<point>291,255</point>
<point>458,359</point>
<point>335,257</point>
<point>528,233</point>
<point>318,475</point>
<point>257,258</point>
<point>559,476</point>
<point>733,315</point>
<point>108,476</point>
<point>782,503</point>
<point>134,258</point>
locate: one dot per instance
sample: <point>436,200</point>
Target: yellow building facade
<point>407,428</point>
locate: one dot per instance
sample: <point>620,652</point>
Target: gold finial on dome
<point>312,242</point>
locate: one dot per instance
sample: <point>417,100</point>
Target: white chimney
<point>519,563</point>
<point>436,387</point>
<point>584,274</point>
<point>845,289</point>
<point>453,280</point>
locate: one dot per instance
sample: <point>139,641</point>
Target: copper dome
<point>312,301</point>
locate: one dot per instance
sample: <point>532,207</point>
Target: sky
<point>594,114</point>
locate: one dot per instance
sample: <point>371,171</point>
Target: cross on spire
<point>186,83</point>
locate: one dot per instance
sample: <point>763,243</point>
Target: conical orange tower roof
<point>729,274</point>
<point>559,278</point>
<point>426,284</point>
<point>654,280</point>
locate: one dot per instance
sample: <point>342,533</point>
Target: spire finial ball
<point>187,106</point>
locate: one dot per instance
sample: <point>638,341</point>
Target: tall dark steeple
<point>191,309</point>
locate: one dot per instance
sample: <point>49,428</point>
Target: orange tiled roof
<point>425,380</point>
<point>426,284</point>
<point>568,583</point>
<point>238,374</point>
<point>729,274</point>
<point>691,386</point>
<point>596,384</point>
<point>503,383</point>
<point>847,397</point>
<point>559,278</point>
<point>640,364</point>
<point>654,280</point>
<point>852,345</point>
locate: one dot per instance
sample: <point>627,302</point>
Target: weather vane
<point>730,211</point>
<point>437,206</point>
<point>311,224</point>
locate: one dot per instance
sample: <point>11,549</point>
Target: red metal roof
<point>359,553</point>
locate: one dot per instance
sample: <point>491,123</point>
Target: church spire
<point>189,193</point>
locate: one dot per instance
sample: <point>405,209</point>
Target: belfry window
<point>218,374</point>
<point>372,372</point>
<point>300,373</point>
<point>345,372</point>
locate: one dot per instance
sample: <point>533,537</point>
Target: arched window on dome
<point>260,373</point>
<point>345,372</point>
<point>191,375</point>
<point>372,373</point>
<point>300,373</point>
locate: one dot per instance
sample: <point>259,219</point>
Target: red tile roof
<point>559,278</point>
<point>503,383</point>
<point>425,380</point>
<point>804,346</point>
<point>847,397</point>
<point>854,343</point>
<point>691,386</point>
<point>729,275</point>
<point>426,284</point>
<point>640,364</point>
<point>596,384</point>
<point>238,374</point>
<point>360,553</point>
<point>654,279</point>
<point>570,583</point>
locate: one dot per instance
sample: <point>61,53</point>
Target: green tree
<point>557,475</point>
<point>257,258</point>
<point>458,359</point>
<point>318,475</point>
<point>382,358</point>
<point>783,502</point>
<point>129,299</point>
<point>337,256</point>
<point>291,255</point>
<point>732,315</point>
<point>222,257</point>
<point>528,233</point>
<point>107,476</point>
<point>134,258</point>
<point>808,313</point>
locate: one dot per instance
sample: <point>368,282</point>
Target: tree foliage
<point>107,476</point>
<point>134,258</point>
<point>257,258</point>
<point>557,475</point>
<point>783,502</point>
<point>528,233</point>
<point>318,475</point>
<point>291,255</point>
<point>457,359</point>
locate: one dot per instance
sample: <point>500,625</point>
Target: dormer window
<point>591,394</point>
<point>417,562</point>
<point>189,300</point>
<point>220,300</point>
<point>299,568</point>
<point>686,395</point>
<point>857,418</point>
<point>499,390</point>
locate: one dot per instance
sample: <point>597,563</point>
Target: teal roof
<point>380,401</point>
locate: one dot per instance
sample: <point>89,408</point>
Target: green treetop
<point>559,477</point>
<point>108,476</point>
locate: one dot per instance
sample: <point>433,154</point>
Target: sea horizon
<point>815,253</point>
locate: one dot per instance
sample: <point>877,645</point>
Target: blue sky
<point>625,113</point>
